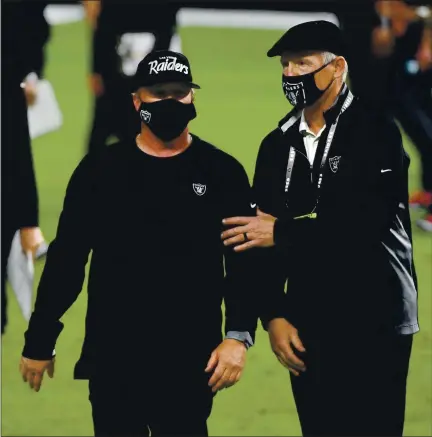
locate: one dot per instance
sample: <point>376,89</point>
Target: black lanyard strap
<point>329,141</point>
<point>290,166</point>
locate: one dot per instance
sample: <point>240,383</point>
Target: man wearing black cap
<point>153,349</point>
<point>344,328</point>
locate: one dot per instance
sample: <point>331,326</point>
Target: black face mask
<point>301,91</point>
<point>168,118</point>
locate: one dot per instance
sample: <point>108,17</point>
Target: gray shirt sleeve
<point>243,337</point>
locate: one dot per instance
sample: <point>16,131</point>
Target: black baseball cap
<point>162,66</point>
<point>322,36</point>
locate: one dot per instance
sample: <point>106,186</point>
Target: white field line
<point>246,19</point>
<point>195,17</point>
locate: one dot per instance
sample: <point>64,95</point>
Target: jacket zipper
<point>310,165</point>
<point>301,153</point>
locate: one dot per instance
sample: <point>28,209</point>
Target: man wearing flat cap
<point>153,351</point>
<point>344,326</point>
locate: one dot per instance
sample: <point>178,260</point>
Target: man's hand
<point>424,52</point>
<point>92,10</point>
<point>283,336</point>
<point>31,239</point>
<point>383,42</point>
<point>32,371</point>
<point>253,231</point>
<point>30,91</point>
<point>96,84</point>
<point>400,14</point>
<point>227,361</point>
<point>396,10</point>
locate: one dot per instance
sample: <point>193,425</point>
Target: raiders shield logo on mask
<point>145,116</point>
<point>199,189</point>
<point>334,163</point>
<point>292,92</point>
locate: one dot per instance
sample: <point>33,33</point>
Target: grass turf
<point>240,101</point>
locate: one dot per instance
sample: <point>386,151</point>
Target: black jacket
<point>352,266</point>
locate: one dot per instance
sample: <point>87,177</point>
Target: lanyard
<point>293,153</point>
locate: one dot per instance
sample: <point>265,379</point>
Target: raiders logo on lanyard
<point>292,154</point>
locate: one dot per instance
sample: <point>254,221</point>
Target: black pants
<point>353,387</point>
<point>167,405</point>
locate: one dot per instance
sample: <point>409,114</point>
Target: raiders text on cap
<point>169,64</point>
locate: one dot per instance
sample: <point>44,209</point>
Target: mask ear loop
<point>312,73</point>
<point>322,68</point>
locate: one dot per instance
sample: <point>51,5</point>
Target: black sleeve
<point>25,33</point>
<point>240,291</point>
<point>20,197</point>
<point>405,212</point>
<point>38,36</point>
<point>271,275</point>
<point>64,271</point>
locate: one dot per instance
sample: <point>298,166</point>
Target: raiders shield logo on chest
<point>199,189</point>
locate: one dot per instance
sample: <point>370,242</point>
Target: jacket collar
<point>331,114</point>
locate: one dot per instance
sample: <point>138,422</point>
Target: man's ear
<point>340,64</point>
<point>136,101</point>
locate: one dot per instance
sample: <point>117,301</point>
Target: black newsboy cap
<point>321,36</point>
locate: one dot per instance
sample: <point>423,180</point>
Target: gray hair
<point>328,57</point>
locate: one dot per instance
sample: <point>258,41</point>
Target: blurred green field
<point>240,101</point>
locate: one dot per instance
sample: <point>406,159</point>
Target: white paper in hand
<point>20,274</point>
<point>44,115</point>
